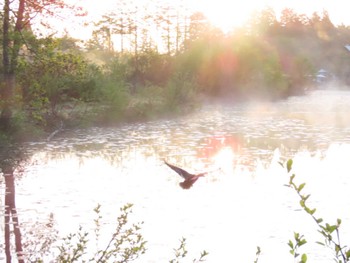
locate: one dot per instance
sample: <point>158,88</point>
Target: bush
<point>330,233</point>
<point>115,100</point>
<point>180,92</point>
<point>125,244</point>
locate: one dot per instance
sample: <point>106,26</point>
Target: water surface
<point>240,205</point>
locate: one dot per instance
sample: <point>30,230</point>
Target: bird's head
<point>201,174</point>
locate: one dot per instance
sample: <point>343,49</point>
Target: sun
<point>224,159</point>
<point>228,15</point>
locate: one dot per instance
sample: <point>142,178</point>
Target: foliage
<point>181,253</point>
<point>119,68</point>
<point>38,104</point>
<point>52,79</point>
<point>299,241</point>
<point>126,243</point>
<point>257,254</point>
<point>180,91</point>
<point>148,75</point>
<point>39,239</point>
<point>147,103</point>
<point>154,68</point>
<point>116,98</point>
<point>61,76</point>
<point>329,232</point>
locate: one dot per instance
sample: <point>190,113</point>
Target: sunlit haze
<point>227,14</point>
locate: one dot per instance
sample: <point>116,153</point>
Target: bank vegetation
<point>123,74</point>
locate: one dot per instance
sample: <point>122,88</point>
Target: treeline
<point>268,57</point>
<point>137,67</point>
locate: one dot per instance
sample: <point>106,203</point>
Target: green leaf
<point>310,211</point>
<point>347,253</point>
<point>291,178</point>
<point>320,243</point>
<point>330,228</point>
<point>338,221</point>
<point>290,244</point>
<point>301,187</point>
<point>289,165</point>
<point>296,235</point>
<point>302,242</point>
<point>320,220</point>
<point>305,197</point>
<point>304,258</point>
<point>337,248</point>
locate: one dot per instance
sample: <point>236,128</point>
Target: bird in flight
<point>190,179</point>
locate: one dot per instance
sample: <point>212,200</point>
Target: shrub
<point>329,232</point>
<point>125,244</point>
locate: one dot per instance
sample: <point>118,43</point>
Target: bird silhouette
<point>190,179</point>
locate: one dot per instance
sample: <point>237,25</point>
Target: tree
<point>292,22</point>
<point>10,56</point>
<point>198,27</point>
<point>167,18</point>
<point>263,22</point>
<point>117,22</point>
<point>323,26</point>
<point>16,21</point>
<point>103,34</point>
<point>53,77</point>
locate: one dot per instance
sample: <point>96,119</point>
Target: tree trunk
<point>11,44</point>
<point>10,59</point>
<point>7,98</point>
<point>5,94</point>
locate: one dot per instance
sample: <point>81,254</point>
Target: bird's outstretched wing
<point>181,172</point>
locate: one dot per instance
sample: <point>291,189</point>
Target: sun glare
<point>224,159</point>
<point>223,14</point>
<point>228,15</point>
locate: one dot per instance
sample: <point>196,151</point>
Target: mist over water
<point>241,204</point>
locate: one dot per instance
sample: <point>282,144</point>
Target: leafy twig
<point>342,254</point>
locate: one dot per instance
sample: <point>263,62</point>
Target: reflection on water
<point>241,204</point>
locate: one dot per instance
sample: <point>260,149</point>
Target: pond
<point>240,204</point>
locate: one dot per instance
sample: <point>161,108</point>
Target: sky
<point>223,11</point>
<point>227,14</point>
